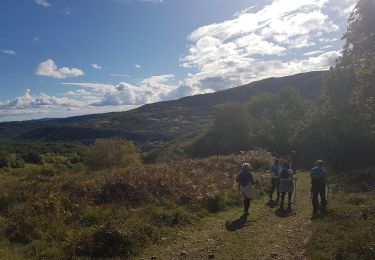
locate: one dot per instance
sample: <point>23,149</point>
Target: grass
<point>49,212</point>
<point>348,232</point>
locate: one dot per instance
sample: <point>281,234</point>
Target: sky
<point>61,58</point>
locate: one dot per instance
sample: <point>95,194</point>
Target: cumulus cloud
<point>313,53</point>
<point>48,68</point>
<point>9,52</point>
<point>149,90</point>
<point>96,66</point>
<point>253,45</point>
<point>153,89</point>
<point>43,3</point>
<point>27,101</point>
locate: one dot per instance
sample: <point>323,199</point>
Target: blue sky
<point>62,58</point>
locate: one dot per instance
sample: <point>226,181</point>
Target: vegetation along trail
<point>265,235</point>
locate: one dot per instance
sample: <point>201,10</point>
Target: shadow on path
<point>233,225</point>
<point>284,213</point>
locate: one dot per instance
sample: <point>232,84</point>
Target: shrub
<point>4,160</point>
<point>17,163</point>
<point>34,157</point>
<point>112,153</point>
<point>114,240</point>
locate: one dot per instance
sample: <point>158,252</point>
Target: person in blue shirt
<point>275,172</point>
<point>318,186</point>
<point>244,179</point>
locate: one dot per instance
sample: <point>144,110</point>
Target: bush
<point>34,157</point>
<point>114,240</point>
<point>17,163</point>
<point>112,153</point>
<point>4,160</point>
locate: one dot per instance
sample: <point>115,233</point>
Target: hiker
<point>275,172</point>
<point>246,186</point>
<point>318,187</point>
<point>286,184</point>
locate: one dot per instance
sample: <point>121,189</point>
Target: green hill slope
<point>156,123</point>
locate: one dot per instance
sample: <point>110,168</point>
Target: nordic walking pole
<point>294,199</point>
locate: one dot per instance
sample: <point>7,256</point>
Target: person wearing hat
<point>318,186</point>
<point>246,186</point>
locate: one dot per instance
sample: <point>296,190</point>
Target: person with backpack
<point>246,186</point>
<point>286,185</point>
<point>318,187</point>
<point>275,172</point>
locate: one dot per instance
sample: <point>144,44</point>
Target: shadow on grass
<point>271,204</point>
<point>284,213</point>
<point>233,225</point>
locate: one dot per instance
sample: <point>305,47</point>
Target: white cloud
<point>27,101</point>
<point>153,89</point>
<point>67,11</point>
<point>137,66</point>
<point>118,75</point>
<point>343,7</point>
<point>48,68</point>
<point>149,90</point>
<point>97,87</point>
<point>9,52</point>
<point>43,3</point>
<point>313,53</point>
<point>264,43</point>
<point>96,66</point>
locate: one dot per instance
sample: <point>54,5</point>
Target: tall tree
<point>347,114</point>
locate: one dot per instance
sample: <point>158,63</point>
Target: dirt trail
<point>264,235</point>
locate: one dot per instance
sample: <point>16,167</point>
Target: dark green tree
<point>274,120</point>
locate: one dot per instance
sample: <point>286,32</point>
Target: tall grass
<point>46,213</point>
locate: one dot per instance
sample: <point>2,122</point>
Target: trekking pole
<point>294,199</point>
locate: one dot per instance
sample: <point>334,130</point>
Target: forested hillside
<point>153,124</point>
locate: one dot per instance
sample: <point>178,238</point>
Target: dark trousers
<point>246,205</point>
<point>283,198</point>
<point>318,191</point>
<point>274,185</point>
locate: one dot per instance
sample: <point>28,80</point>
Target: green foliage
<point>270,121</point>
<point>112,153</point>
<point>34,157</point>
<point>4,160</point>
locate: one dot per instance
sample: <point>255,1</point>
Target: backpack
<point>284,174</point>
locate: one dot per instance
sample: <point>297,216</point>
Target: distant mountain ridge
<point>153,124</point>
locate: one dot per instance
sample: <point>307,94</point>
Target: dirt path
<point>264,235</point>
